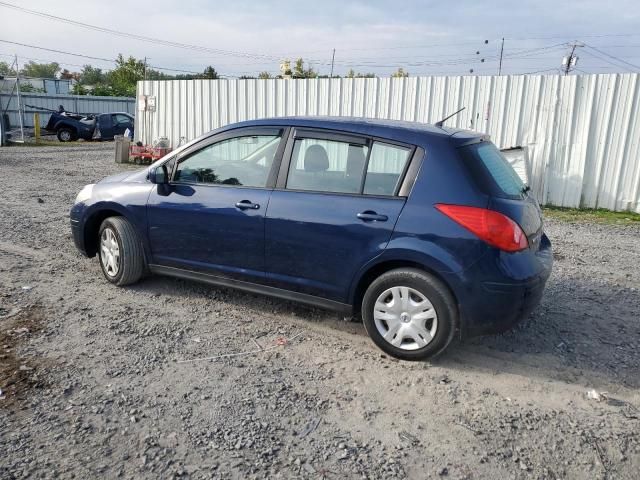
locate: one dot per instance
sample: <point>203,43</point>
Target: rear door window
<point>496,166</point>
<point>327,166</point>
<point>334,166</point>
<point>386,165</point>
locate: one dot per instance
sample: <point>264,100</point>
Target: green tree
<point>157,75</point>
<point>5,69</point>
<point>92,76</point>
<point>264,75</point>
<point>103,90</point>
<point>79,89</point>
<point>352,74</point>
<point>210,73</point>
<point>400,73</point>
<point>300,72</point>
<point>124,77</point>
<point>40,70</point>
<point>28,88</point>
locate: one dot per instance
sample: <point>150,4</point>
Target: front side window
<point>240,161</point>
<point>327,166</point>
<point>120,119</point>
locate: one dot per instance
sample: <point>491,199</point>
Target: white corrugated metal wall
<point>582,132</point>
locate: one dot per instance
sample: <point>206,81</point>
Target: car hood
<point>137,176</point>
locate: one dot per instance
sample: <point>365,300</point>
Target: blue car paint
<point>314,244</point>
<point>201,228</point>
<point>104,124</point>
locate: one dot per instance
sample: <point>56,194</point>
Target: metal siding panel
<point>581,132</point>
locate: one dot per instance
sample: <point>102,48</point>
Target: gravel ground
<point>93,383</point>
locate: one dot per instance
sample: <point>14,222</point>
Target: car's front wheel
<point>409,314</point>
<point>120,251</point>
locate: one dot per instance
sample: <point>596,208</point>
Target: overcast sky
<point>423,37</point>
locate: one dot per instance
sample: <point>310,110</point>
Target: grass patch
<point>597,215</point>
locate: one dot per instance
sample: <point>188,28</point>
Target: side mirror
<point>159,175</point>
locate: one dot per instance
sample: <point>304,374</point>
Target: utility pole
<point>20,108</point>
<point>144,75</point>
<point>571,60</point>
<point>333,57</point>
<point>500,64</point>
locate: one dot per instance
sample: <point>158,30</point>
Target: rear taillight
<point>493,227</point>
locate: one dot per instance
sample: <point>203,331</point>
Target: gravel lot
<point>92,383</point>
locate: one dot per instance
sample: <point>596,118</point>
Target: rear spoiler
<point>463,138</point>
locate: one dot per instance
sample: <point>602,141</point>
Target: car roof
<point>400,130</point>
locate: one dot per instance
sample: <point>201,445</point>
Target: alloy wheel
<point>109,252</point>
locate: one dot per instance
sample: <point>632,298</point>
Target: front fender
<point>127,200</point>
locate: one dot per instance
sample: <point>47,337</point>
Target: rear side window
<point>386,164</point>
<point>496,166</point>
<point>326,166</point>
<point>340,167</point>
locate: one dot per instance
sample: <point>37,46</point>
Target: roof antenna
<point>441,122</point>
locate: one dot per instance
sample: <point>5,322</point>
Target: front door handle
<point>247,205</point>
<point>371,216</point>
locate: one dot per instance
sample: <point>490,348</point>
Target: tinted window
<point>119,118</point>
<point>242,161</point>
<point>496,166</point>
<point>327,166</point>
<point>386,165</point>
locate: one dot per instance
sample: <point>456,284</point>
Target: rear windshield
<point>495,165</point>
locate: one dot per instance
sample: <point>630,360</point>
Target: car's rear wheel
<point>120,251</point>
<point>409,314</point>
<point>66,135</point>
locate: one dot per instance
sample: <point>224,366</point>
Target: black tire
<point>66,134</point>
<point>432,289</point>
<point>130,260</point>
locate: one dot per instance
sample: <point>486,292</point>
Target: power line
<point>98,58</point>
<point>613,57</point>
<point>60,51</point>
<point>135,36</point>
<point>604,59</point>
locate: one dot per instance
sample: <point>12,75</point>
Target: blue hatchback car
<point>425,231</point>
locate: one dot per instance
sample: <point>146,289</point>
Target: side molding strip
<point>252,287</point>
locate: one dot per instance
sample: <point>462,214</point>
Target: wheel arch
<point>372,272</point>
<point>66,125</point>
<point>92,228</point>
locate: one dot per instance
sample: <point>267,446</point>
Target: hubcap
<point>109,252</point>
<point>405,318</point>
<point>66,136</point>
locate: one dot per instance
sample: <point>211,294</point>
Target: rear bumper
<point>502,289</point>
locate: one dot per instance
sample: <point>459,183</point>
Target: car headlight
<point>85,193</point>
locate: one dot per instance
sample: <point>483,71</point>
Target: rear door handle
<point>371,216</point>
<point>247,205</point>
